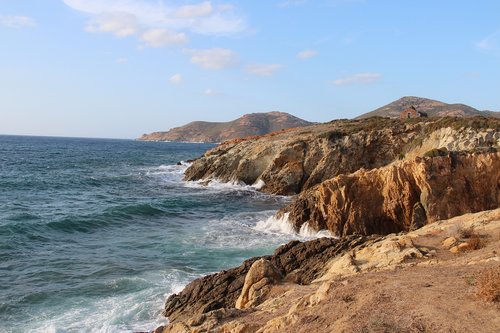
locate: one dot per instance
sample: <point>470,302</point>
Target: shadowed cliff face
<point>299,159</point>
<point>402,196</point>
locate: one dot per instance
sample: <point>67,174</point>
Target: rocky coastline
<point>390,191</point>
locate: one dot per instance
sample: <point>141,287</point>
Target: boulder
<point>259,277</point>
<point>449,242</point>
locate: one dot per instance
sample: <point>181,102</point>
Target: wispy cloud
<point>490,42</point>
<point>190,11</point>
<point>121,61</point>
<point>360,78</point>
<point>263,69</point>
<point>306,54</point>
<point>213,59</point>
<point>125,18</point>
<point>176,79</point>
<point>17,22</point>
<point>159,37</point>
<point>211,92</point>
<point>120,24</point>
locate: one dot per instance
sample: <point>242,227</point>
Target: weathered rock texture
<point>295,262</point>
<point>248,125</point>
<point>402,196</point>
<point>396,283</point>
<point>296,160</point>
<point>261,275</point>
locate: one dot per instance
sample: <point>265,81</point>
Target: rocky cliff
<point>248,125</point>
<point>431,107</point>
<point>298,159</point>
<point>402,196</point>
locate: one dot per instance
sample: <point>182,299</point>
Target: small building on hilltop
<point>412,112</point>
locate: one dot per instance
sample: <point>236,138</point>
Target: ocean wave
<point>113,216</point>
<point>172,173</point>
<point>135,311</point>
<point>218,185</point>
<point>282,225</point>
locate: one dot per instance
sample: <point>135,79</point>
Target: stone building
<point>412,112</point>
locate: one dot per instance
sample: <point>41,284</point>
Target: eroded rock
<point>296,262</point>
<point>259,277</point>
<point>400,196</point>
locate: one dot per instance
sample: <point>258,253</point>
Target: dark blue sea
<point>96,233</point>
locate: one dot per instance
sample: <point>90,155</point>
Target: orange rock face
<point>401,196</point>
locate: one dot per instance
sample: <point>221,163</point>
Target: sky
<point>121,68</point>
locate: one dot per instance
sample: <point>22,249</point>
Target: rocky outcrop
<point>248,125</point>
<point>295,262</point>
<point>431,107</point>
<point>261,275</point>
<point>402,196</point>
<point>296,160</point>
<point>396,283</point>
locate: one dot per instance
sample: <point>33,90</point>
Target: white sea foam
<point>282,225</point>
<point>171,173</point>
<point>259,184</point>
<point>215,184</point>
<point>138,311</point>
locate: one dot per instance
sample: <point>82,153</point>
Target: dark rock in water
<point>211,292</point>
<point>299,262</point>
<point>178,163</point>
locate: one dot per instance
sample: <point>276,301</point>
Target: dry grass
<point>488,285</point>
<point>474,242</point>
<point>467,232</point>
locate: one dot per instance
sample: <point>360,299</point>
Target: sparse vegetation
<point>332,135</point>
<point>437,152</point>
<point>348,298</point>
<point>474,243</point>
<point>466,232</point>
<point>470,280</point>
<point>488,285</point>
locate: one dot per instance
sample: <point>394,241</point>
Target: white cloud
<point>213,58</point>
<point>17,22</point>
<point>120,24</point>
<point>211,92</point>
<point>190,11</point>
<point>490,43</point>
<point>262,69</point>
<point>363,78</point>
<point>161,37</point>
<point>306,54</point>
<point>203,18</point>
<point>121,61</point>
<point>176,79</point>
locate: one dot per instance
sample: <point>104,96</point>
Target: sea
<point>95,234</point>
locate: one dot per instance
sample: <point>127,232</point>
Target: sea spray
<point>282,225</point>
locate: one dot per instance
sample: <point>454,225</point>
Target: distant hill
<point>431,107</point>
<point>247,125</point>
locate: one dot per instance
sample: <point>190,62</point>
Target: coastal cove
<point>95,234</point>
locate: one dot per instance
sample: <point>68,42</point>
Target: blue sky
<point>120,68</point>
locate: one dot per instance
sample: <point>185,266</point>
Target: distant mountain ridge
<point>433,108</point>
<point>247,125</point>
